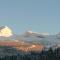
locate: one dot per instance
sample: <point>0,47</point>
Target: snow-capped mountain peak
<point>35,33</point>
<point>5,31</point>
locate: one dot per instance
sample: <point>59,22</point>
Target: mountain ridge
<point>28,39</point>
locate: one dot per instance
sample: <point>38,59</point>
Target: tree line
<point>43,55</point>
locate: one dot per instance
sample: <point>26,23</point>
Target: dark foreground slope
<point>11,53</point>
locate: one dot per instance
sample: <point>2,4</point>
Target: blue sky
<point>35,15</point>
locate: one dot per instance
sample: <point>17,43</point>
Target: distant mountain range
<point>29,40</point>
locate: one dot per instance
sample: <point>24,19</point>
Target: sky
<point>35,15</point>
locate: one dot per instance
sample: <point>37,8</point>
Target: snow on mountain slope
<point>5,31</point>
<point>47,40</point>
<point>6,34</point>
<point>32,36</point>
